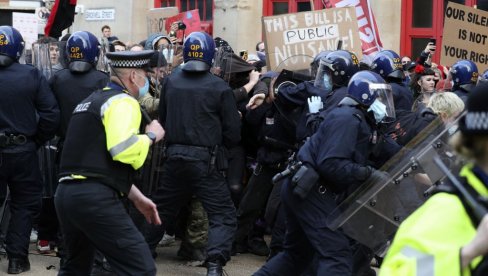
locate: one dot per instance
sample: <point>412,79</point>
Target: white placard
<point>26,24</point>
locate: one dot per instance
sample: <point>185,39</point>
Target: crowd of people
<point>110,149</point>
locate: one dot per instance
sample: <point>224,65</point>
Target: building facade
<point>404,26</point>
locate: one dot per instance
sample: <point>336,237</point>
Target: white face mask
<point>379,110</point>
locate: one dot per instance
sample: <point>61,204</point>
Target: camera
<point>181,25</point>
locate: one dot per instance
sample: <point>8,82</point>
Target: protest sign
<point>190,18</point>
<point>465,36</point>
<point>308,33</point>
<point>156,19</point>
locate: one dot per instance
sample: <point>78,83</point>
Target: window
<point>205,7</point>
<point>168,3</point>
<point>276,7</point>
<point>482,5</point>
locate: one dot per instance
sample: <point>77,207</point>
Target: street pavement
<point>167,263</point>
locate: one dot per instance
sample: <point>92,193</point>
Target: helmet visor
<point>383,107</point>
<point>323,79</point>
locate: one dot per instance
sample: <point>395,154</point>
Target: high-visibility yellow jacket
<point>429,241</point>
<point>102,140</point>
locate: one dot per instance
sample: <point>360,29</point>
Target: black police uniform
<point>402,96</point>
<point>29,117</point>
<point>88,198</point>
<point>276,141</point>
<point>461,93</point>
<point>338,152</point>
<point>71,88</point>
<point>199,113</point>
<point>291,97</point>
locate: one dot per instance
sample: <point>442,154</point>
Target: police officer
<point>198,109</point>
<point>29,117</point>
<point>464,74</point>
<point>334,164</point>
<point>333,75</point>
<point>101,151</point>
<point>388,65</point>
<point>71,86</point>
<point>276,139</point>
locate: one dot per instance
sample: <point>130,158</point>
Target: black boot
<point>214,268</point>
<point>18,265</point>
<point>258,246</point>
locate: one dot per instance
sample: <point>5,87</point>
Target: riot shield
<point>48,164</point>
<point>46,58</point>
<point>293,78</point>
<point>289,77</point>
<point>148,176</point>
<point>102,64</point>
<point>372,214</point>
<point>173,54</point>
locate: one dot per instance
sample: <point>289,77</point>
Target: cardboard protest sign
<point>465,36</point>
<point>307,34</point>
<point>191,20</point>
<point>156,19</point>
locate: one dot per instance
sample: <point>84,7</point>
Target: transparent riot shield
<point>174,56</point>
<point>46,58</point>
<point>102,63</point>
<point>222,57</point>
<point>372,214</point>
<point>148,176</point>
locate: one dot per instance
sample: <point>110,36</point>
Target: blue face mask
<point>143,90</point>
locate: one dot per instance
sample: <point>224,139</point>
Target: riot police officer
<point>334,163</point>
<point>334,72</point>
<point>29,117</point>
<point>72,85</point>
<point>199,112</point>
<point>387,64</point>
<point>464,75</point>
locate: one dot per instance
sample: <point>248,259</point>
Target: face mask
<point>143,90</point>
<point>327,83</point>
<point>379,110</point>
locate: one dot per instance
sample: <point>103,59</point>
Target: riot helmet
<point>11,45</point>
<point>464,74</point>
<point>388,64</point>
<point>314,66</point>
<point>336,69</point>
<point>198,52</point>
<point>370,91</point>
<point>83,50</point>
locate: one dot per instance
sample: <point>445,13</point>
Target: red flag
<point>368,30</point>
<point>61,17</point>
